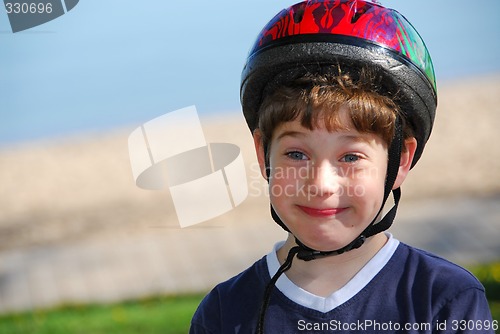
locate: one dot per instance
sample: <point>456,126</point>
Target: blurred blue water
<point>114,63</point>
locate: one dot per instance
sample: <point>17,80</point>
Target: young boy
<point>340,96</point>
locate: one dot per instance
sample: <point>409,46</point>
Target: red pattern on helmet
<point>355,18</point>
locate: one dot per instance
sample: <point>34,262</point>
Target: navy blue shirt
<point>415,292</point>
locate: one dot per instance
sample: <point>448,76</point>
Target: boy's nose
<point>324,179</point>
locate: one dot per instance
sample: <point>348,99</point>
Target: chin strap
<point>308,254</point>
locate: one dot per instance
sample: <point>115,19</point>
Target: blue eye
<point>296,155</point>
<point>350,158</point>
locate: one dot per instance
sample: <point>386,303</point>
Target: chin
<point>324,243</point>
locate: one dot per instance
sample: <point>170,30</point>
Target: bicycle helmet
<point>353,33</point>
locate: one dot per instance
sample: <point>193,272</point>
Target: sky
<point>115,63</point>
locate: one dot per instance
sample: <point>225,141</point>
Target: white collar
<point>339,297</point>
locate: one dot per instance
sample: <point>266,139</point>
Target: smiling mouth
<point>321,212</point>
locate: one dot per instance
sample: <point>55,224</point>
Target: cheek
<point>367,185</point>
<point>282,185</point>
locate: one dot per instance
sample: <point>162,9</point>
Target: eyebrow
<point>348,137</point>
<point>290,134</point>
<point>361,138</point>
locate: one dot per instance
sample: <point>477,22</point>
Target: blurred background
<point>74,228</point>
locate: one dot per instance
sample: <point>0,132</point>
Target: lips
<point>323,213</point>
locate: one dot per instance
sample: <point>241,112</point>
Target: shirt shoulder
<point>434,271</point>
<point>232,304</point>
<point>435,288</point>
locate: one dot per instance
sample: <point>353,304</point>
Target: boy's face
<point>325,186</point>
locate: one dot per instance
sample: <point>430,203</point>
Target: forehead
<point>333,121</point>
<point>294,129</point>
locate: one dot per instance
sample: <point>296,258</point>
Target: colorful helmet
<point>319,33</point>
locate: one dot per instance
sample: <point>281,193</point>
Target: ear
<point>259,149</point>
<point>406,161</point>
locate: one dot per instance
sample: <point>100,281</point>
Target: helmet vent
<point>298,14</point>
<point>358,14</point>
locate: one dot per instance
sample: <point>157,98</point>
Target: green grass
<point>169,315</point>
<point>166,315</point>
<point>489,275</point>
<point>495,310</point>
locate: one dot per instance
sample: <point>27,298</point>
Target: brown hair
<point>318,98</point>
